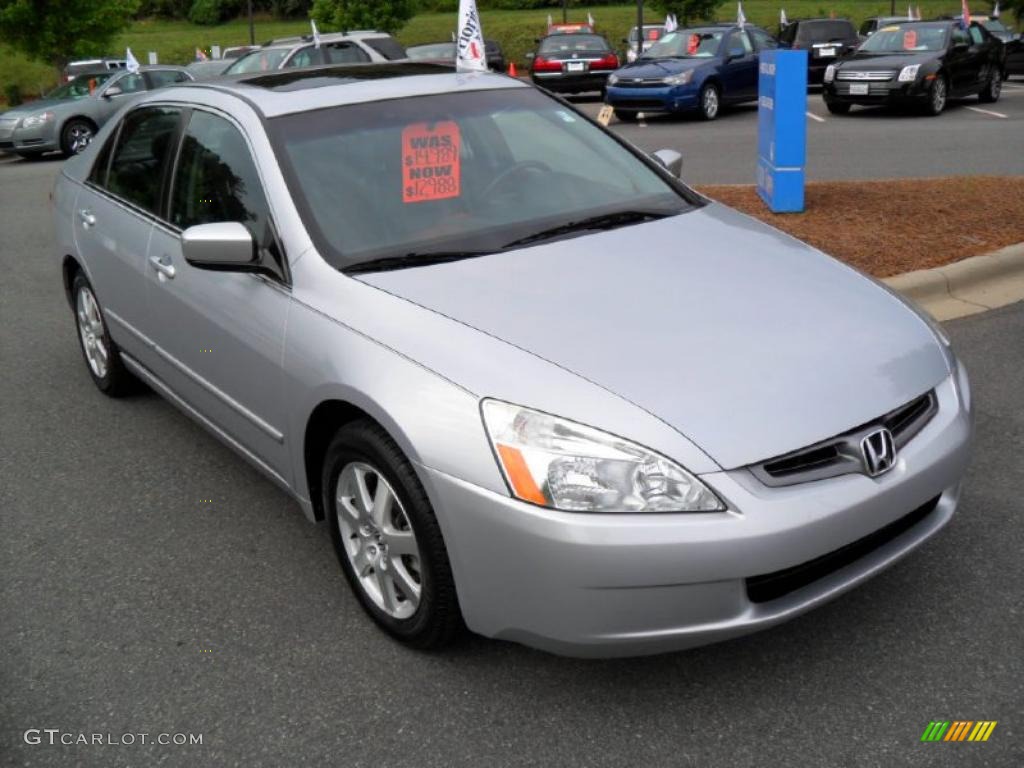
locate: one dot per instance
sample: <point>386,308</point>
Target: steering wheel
<point>525,165</point>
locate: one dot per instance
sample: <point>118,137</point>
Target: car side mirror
<point>225,245</point>
<point>114,90</point>
<point>670,160</point>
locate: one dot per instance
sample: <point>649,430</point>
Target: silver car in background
<point>67,118</point>
<point>359,47</point>
<point>532,382</point>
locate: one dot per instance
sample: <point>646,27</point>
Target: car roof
<point>283,92</point>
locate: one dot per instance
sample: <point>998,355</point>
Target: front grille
<point>874,89</point>
<point>641,83</point>
<point>772,586</point>
<point>863,76</point>
<point>841,455</point>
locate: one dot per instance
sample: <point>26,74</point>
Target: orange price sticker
<point>430,162</point>
<point>692,45</point>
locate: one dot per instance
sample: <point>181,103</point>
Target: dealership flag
<point>740,18</point>
<point>316,34</point>
<point>783,21</point>
<point>670,23</point>
<point>590,20</point>
<point>550,21</point>
<point>919,16</point>
<point>995,11</point>
<point>966,13</point>
<point>469,55</point>
<point>132,64</point>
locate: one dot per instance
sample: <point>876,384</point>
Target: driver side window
<point>738,44</point>
<point>976,37</point>
<point>131,83</point>
<point>960,36</point>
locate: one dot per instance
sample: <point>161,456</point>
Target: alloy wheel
<point>710,103</point>
<point>92,332</point>
<point>378,540</point>
<point>938,95</point>
<point>80,136</point>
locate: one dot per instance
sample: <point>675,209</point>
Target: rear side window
<point>98,174</point>
<point>387,47</point>
<point>977,37</point>
<point>161,77</point>
<point>131,83</point>
<point>306,57</point>
<point>345,53</point>
<point>216,179</point>
<point>136,168</point>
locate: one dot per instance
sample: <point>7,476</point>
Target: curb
<point>966,287</point>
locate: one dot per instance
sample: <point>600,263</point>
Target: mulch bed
<point>889,227</point>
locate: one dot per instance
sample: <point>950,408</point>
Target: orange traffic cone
<point>512,69</point>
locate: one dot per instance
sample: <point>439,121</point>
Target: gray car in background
<point>532,382</point>
<point>335,48</point>
<point>68,117</point>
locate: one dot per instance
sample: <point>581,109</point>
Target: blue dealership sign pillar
<point>782,129</point>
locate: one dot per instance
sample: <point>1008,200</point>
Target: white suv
<point>335,48</point>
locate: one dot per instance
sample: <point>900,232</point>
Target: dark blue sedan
<point>700,68</point>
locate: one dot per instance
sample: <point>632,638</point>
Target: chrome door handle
<point>160,264</point>
<point>87,217</point>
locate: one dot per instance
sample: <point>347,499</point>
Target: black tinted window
<point>161,77</point>
<point>387,47</point>
<point>825,31</point>
<point>98,174</point>
<point>345,53</point>
<point>216,179</point>
<point>136,169</point>
<point>306,57</point>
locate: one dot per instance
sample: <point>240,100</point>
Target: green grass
<point>175,41</point>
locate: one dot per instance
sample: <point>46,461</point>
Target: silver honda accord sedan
<point>535,385</point>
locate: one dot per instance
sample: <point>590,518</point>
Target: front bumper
<point>565,82</point>
<point>37,139</point>
<point>670,98</point>
<point>880,93</point>
<point>620,585</point>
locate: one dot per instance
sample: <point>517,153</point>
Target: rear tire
<point>838,107</point>
<point>102,357</point>
<point>387,538</point>
<point>710,101</point>
<point>993,89</point>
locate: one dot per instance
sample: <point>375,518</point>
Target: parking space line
<point>641,120</point>
<point>815,117</point>
<point>988,112</point>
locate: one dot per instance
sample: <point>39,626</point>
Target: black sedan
<point>573,63</point>
<point>923,62</point>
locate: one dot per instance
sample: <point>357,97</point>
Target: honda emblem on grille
<point>879,452</point>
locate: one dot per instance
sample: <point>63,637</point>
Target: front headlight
<point>681,79</point>
<point>563,465</point>
<point>909,74</point>
<point>32,121</point>
<point>613,79</point>
<point>830,73</point>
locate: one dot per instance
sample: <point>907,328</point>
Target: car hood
<point>659,67</point>
<point>869,61</point>
<point>746,341</point>
<point>24,110</point>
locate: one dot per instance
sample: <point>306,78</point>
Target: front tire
<point>710,101</point>
<point>102,357</point>
<point>937,96</point>
<point>76,135</point>
<point>993,89</point>
<point>387,538</point>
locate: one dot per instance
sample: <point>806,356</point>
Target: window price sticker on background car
<point>430,161</point>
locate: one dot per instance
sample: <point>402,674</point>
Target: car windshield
<point>687,43</point>
<point>906,38</point>
<point>470,172</point>
<point>559,44</point>
<point>258,61</point>
<point>80,87</point>
<point>824,31</point>
<point>432,51</point>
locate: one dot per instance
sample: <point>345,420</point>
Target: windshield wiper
<point>389,263</point>
<point>604,221</point>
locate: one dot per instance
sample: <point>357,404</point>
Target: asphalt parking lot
<point>869,143</point>
<point>151,581</point>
